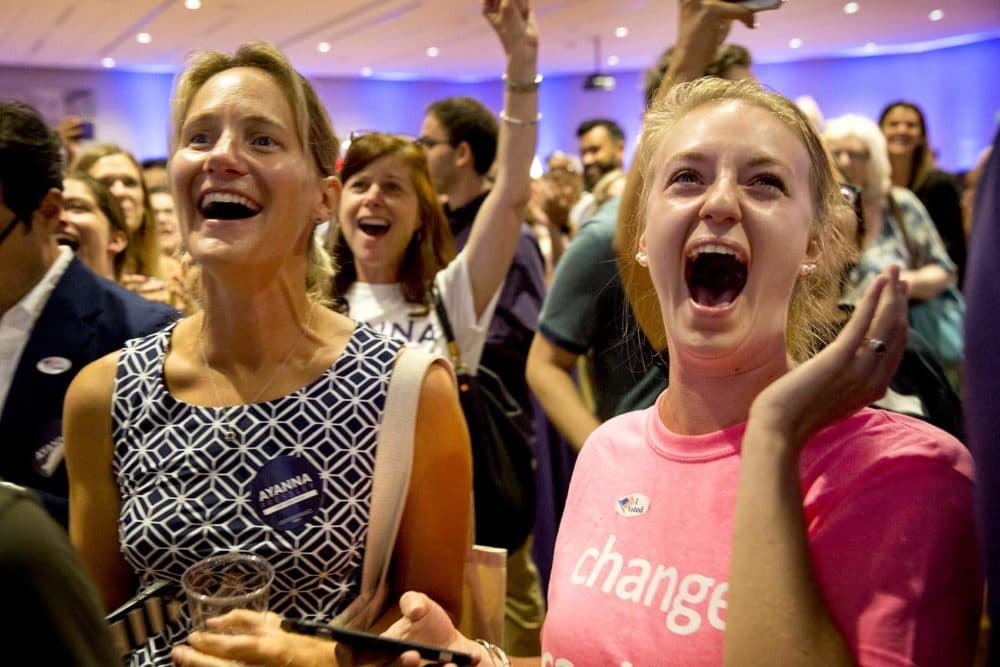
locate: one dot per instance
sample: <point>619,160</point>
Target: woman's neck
<point>697,402</point>
<point>902,170</point>
<point>240,327</point>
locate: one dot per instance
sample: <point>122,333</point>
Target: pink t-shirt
<point>641,566</point>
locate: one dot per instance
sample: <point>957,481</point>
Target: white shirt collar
<point>33,303</point>
<point>19,320</point>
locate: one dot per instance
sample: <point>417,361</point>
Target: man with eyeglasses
<point>56,315</point>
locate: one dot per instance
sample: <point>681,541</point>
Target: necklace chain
<point>230,432</point>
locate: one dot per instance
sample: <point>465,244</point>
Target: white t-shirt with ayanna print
<point>384,308</point>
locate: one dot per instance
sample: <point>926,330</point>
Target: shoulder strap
<point>393,463</point>
<point>449,334</point>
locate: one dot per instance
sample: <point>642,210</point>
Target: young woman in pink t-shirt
<point>759,513</point>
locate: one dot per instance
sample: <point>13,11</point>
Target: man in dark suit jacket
<point>56,315</point>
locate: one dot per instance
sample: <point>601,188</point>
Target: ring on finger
<point>876,345</point>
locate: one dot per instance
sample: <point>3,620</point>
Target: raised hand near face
<point>850,373</point>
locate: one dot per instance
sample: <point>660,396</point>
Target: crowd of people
<point>747,346</point>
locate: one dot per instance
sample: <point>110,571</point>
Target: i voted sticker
<point>634,504</point>
<point>54,365</point>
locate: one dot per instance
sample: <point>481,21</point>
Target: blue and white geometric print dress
<point>288,479</point>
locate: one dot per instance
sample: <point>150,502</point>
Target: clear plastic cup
<point>219,584</point>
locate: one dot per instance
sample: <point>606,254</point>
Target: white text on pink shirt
<point>687,601</point>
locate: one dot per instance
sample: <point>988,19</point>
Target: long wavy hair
<point>143,252</point>
<point>922,162</point>
<point>431,247</point>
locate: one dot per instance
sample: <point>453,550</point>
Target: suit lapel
<point>61,342</point>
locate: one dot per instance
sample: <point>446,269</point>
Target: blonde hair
<point>312,125</point>
<point>813,314</point>
<point>142,254</point>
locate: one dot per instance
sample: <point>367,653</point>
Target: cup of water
<point>219,584</point>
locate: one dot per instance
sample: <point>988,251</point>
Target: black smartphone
<point>367,641</point>
<point>758,5</point>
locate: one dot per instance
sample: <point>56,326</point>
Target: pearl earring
<point>807,270</point>
<point>641,259</point>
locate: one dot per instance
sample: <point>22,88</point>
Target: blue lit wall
<point>957,87</point>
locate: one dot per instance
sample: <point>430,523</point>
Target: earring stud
<point>807,270</point>
<point>641,259</point>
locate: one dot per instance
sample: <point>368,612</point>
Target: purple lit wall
<point>131,109</point>
<point>957,87</point>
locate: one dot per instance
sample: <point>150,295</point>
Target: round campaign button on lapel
<point>54,365</point>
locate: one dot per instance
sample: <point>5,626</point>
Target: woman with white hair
<point>897,228</point>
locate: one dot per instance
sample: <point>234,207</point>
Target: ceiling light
<point>192,4</point>
<point>794,43</point>
<point>107,62</point>
<point>621,31</point>
<point>433,52</point>
<point>851,8</point>
<point>144,38</point>
<point>936,15</point>
<point>366,71</point>
<point>612,61</point>
<point>323,47</point>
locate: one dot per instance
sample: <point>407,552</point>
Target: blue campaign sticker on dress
<point>287,493</point>
<point>633,504</point>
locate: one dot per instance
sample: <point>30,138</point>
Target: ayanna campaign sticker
<point>287,492</point>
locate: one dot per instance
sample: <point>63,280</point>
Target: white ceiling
<point>392,36</point>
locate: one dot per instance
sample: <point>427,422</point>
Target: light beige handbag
<point>485,582</point>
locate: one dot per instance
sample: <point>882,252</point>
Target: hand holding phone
<point>372,643</point>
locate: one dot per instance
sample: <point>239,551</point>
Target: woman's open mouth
<point>715,275</point>
<point>375,227</point>
<point>227,206</point>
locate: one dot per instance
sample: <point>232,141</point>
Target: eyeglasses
<point>429,143</point>
<point>9,228</point>
<point>357,134</point>
<point>852,195</point>
<point>853,156</point>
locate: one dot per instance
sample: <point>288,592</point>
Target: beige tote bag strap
<point>393,463</point>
